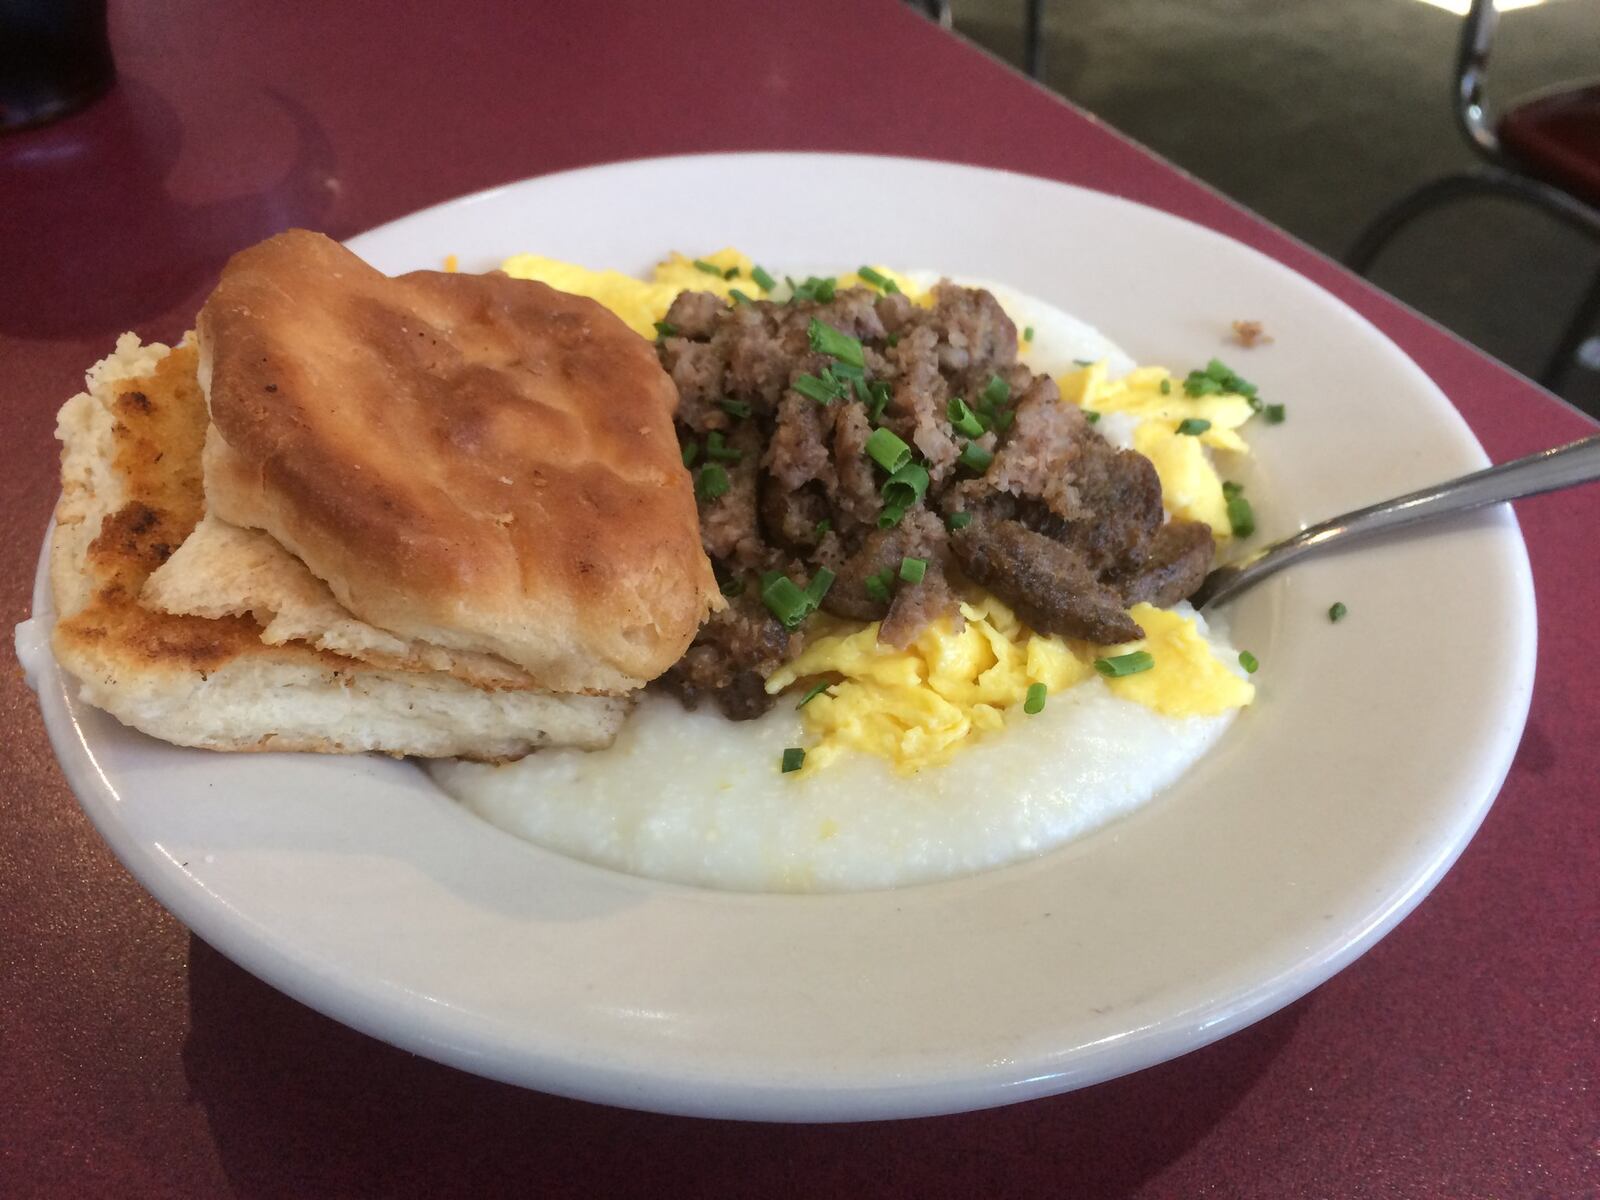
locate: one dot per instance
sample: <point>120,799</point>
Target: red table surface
<point>1456,1059</point>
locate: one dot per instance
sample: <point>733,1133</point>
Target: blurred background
<point>1316,115</point>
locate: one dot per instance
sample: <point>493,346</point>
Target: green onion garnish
<point>1091,416</point>
<point>913,569</point>
<point>892,340</point>
<point>731,273</point>
<point>816,389</point>
<point>786,601</point>
<point>1084,362</point>
<point>1027,334</point>
<point>709,268</point>
<point>878,280</point>
<point>1193,426</point>
<point>842,370</point>
<point>1003,418</point>
<point>1125,664</point>
<point>1218,378</point>
<point>691,451</point>
<point>825,339</point>
<point>763,281</point>
<point>819,585</point>
<point>1249,662</point>
<point>822,527</point>
<point>1337,612</point>
<point>713,482</point>
<point>879,393</point>
<point>997,390</point>
<point>963,418</point>
<point>1034,704</point>
<point>887,450</point>
<point>1274,414</point>
<point>878,585</point>
<point>1166,387</point>
<point>718,449</point>
<point>819,290</point>
<point>793,759</point>
<point>734,408</point>
<point>975,458</point>
<point>666,329</point>
<point>813,692</point>
<point>739,297</point>
<point>1241,516</point>
<point>731,587</point>
<point>889,515</point>
<point>906,486</point>
<point>959,520</point>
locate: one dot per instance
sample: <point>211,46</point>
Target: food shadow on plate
<point>365,1119</point>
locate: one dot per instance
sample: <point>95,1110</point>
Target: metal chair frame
<point>1497,175</point>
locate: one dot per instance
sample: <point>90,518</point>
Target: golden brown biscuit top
<point>471,454</point>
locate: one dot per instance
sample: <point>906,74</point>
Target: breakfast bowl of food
<point>734,656</point>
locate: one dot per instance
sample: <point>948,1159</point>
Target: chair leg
<point>1402,212</point>
<point>1577,331</point>
<point>1033,45</point>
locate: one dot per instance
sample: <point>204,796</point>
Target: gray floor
<point>1317,114</point>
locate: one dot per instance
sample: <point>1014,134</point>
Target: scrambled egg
<point>641,303</point>
<point>916,707</point>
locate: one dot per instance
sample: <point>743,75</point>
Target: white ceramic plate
<point>1327,813</point>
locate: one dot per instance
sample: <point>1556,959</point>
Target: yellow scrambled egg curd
<point>1190,485</point>
<point>641,303</point>
<point>1186,679</point>
<point>915,707</point>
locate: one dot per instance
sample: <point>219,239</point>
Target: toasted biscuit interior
<point>131,497</point>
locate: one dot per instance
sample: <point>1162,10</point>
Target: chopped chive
<point>1125,664</point>
<point>1231,489</point>
<point>666,329</point>
<point>717,448</point>
<point>709,268</point>
<point>997,390</point>
<point>713,482</point>
<point>1218,378</point>
<point>822,528</point>
<point>793,759</point>
<point>959,520</point>
<point>825,289</point>
<point>879,391</point>
<point>739,297</point>
<point>816,389</point>
<point>1003,418</point>
<point>731,587</point>
<point>1241,516</point>
<point>906,486</point>
<point>825,339</point>
<point>1193,426</point>
<point>1274,414</point>
<point>913,569</point>
<point>734,408</point>
<point>879,280</point>
<point>819,585</point>
<point>691,451</point>
<point>1084,362</point>
<point>878,585</point>
<point>963,418</point>
<point>1027,334</point>
<point>887,450</point>
<point>1034,704</point>
<point>786,601</point>
<point>1091,416</point>
<point>813,692</point>
<point>843,370</point>
<point>892,340</point>
<point>763,281</point>
<point>1166,387</point>
<point>731,273</point>
<point>889,515</point>
<point>1338,612</point>
<point>1249,662</point>
<point>814,289</point>
<point>975,458</point>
